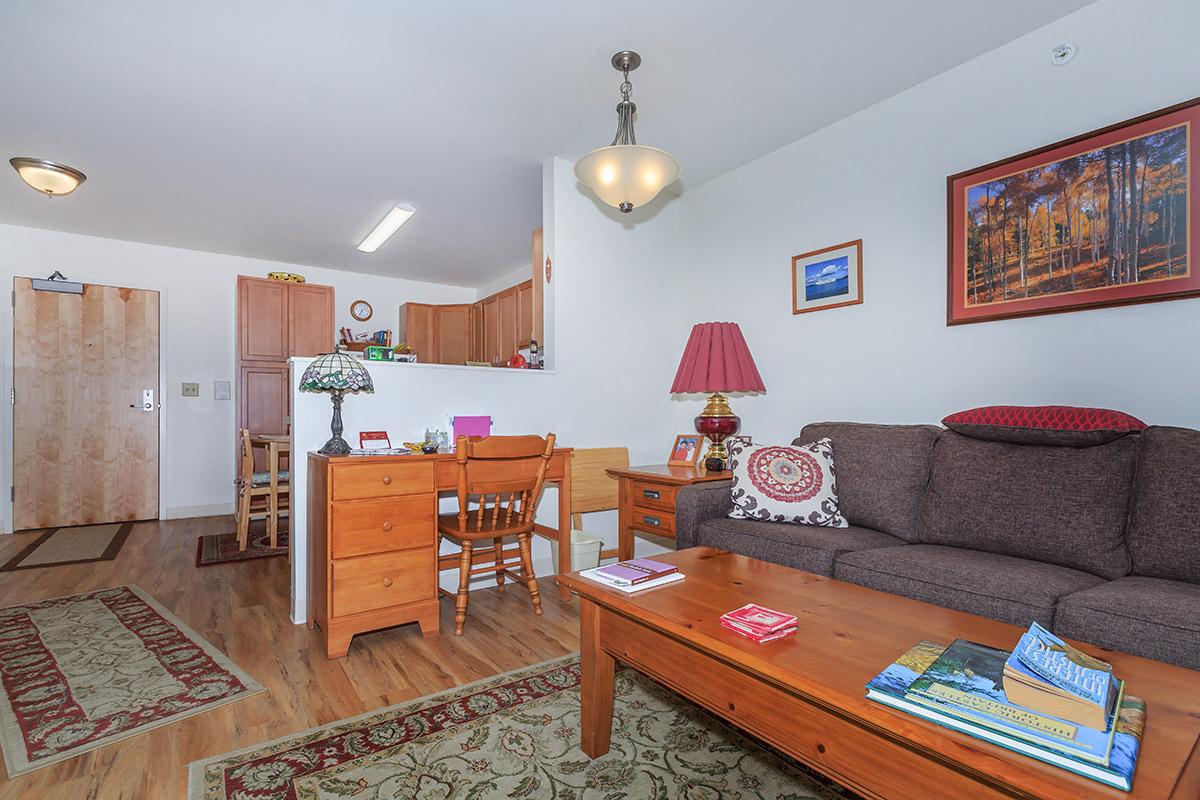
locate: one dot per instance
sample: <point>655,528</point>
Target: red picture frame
<point>1036,233</point>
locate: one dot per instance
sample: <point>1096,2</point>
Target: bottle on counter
<point>535,355</point>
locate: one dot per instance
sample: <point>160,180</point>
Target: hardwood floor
<point>243,610</point>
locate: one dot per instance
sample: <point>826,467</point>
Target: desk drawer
<point>371,582</point>
<point>653,520</point>
<point>357,481</point>
<point>362,527</point>
<point>653,495</point>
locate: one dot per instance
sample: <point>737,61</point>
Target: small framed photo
<point>827,278</point>
<point>686,451</point>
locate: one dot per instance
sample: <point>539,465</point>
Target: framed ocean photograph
<point>827,278</point>
<point>1102,219</point>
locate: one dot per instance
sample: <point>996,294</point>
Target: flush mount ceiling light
<point>49,178</point>
<point>386,227</point>
<point>627,174</point>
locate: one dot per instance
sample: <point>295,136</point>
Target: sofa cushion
<point>1164,523</point>
<point>1148,617</point>
<point>1063,426</point>
<point>1001,587</point>
<point>805,547</point>
<point>1061,505</point>
<point>774,483</point>
<point>881,472</point>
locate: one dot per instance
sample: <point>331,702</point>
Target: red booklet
<point>758,637</point>
<point>758,619</point>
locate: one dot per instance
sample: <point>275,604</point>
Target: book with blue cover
<point>1047,674</point>
<point>894,687</point>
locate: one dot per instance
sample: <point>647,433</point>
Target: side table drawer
<point>359,481</point>
<point>653,495</point>
<point>371,582</point>
<point>362,527</point>
<point>653,520</point>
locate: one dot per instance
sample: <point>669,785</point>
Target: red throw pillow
<point>1066,426</point>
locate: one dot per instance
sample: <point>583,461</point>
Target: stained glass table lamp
<point>336,373</point>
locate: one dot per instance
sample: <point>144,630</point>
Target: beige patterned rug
<point>74,545</point>
<point>80,672</point>
<point>513,736</point>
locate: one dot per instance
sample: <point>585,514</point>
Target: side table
<point>646,499</point>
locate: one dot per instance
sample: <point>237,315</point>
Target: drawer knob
<point>387,525</point>
<point>653,494</point>
<point>387,581</point>
<point>387,480</point>
<point>649,520</point>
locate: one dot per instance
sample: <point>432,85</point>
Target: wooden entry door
<point>85,446</point>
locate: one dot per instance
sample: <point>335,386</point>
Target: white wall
<point>880,176</point>
<point>608,308</point>
<point>510,278</point>
<point>198,306</point>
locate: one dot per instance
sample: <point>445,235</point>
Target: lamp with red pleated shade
<point>716,359</point>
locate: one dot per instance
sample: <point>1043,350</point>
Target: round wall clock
<point>360,310</point>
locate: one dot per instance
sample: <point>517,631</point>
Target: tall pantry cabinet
<point>275,321</point>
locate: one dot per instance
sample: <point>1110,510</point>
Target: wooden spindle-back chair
<point>252,486</point>
<point>504,507</point>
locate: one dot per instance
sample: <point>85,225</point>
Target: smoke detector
<point>1062,54</point>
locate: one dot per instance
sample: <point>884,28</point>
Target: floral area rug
<point>222,548</point>
<point>513,736</point>
<point>80,672</point>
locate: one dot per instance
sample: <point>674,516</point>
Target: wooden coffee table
<point>805,694</point>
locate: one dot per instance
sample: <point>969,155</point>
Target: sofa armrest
<point>697,503</point>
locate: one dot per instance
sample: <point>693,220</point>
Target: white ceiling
<point>285,129</point>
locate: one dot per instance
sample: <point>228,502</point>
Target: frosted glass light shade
<point>48,177</point>
<point>627,176</point>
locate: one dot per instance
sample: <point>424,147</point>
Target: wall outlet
<point>221,390</point>
<point>191,390</point>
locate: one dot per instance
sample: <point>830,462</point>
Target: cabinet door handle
<point>387,525</point>
<point>387,480</point>
<point>653,494</point>
<point>387,581</point>
<point>649,520</point>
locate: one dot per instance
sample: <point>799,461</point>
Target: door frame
<point>7,371</point>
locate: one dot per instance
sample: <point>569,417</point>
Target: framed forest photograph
<point>1102,219</point>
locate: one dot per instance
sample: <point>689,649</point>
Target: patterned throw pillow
<point>776,483</point>
<point>1063,426</point>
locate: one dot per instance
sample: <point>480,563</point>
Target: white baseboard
<point>184,512</point>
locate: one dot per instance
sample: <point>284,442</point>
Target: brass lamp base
<point>717,422</point>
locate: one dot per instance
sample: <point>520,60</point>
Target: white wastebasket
<point>585,550</point>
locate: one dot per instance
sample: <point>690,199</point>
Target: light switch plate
<point>221,390</point>
<point>191,390</point>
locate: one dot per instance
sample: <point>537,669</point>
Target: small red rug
<point>80,672</point>
<point>222,548</point>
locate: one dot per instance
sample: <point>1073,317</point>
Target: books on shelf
<point>1046,674</point>
<point>962,687</point>
<point>634,575</point>
<point>759,623</point>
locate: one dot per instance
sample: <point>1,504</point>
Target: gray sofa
<point>1099,543</point>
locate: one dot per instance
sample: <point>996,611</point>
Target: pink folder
<point>472,426</point>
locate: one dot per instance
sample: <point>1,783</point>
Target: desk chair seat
<point>264,478</point>
<point>494,505</point>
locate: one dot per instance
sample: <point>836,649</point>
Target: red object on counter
<point>517,361</point>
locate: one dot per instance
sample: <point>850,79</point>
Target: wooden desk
<point>275,444</point>
<point>647,500</point>
<point>372,540</point>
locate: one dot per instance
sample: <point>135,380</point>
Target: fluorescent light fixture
<point>386,227</point>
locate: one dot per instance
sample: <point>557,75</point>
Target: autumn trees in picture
<point>1102,219</point>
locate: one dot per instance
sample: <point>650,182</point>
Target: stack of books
<point>966,687</point>
<point>634,575</point>
<point>759,623</point>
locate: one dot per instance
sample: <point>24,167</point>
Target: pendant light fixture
<point>626,174</point>
<point>48,177</point>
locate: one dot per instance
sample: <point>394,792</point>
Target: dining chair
<point>253,486</point>
<point>499,481</point>
<point>592,488</point>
